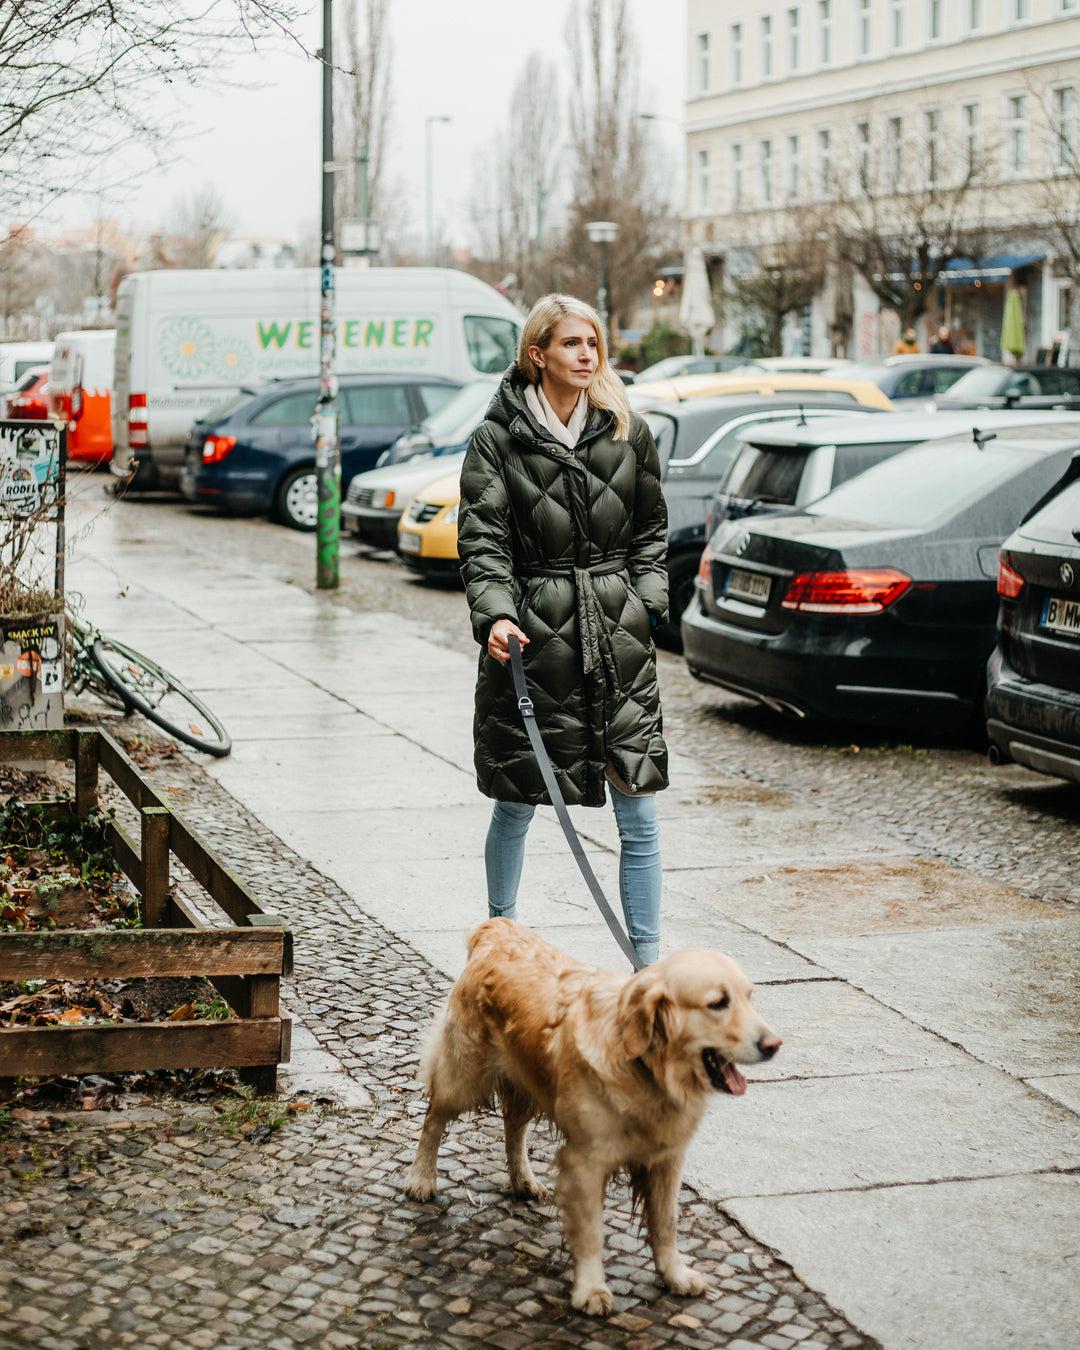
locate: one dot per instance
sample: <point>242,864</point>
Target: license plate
<point>409,542</point>
<point>747,585</point>
<point>1061,616</point>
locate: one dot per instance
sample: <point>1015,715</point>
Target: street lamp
<point>430,227</point>
<point>601,233</point>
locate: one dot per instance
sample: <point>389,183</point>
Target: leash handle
<point>528,716</point>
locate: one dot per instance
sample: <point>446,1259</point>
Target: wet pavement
<point>906,1171</point>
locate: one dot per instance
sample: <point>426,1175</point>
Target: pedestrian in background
<point>942,344</point>
<point>907,344</point>
<point>562,536</point>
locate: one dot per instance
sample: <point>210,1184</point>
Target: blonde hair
<point>605,388</point>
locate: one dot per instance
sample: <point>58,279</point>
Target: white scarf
<point>569,433</point>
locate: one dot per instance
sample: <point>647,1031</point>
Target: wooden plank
<point>146,1045</point>
<point>17,746</point>
<point>219,881</point>
<point>124,772</point>
<point>94,954</point>
<point>179,914</point>
<point>155,863</point>
<point>86,772</point>
<point>125,854</point>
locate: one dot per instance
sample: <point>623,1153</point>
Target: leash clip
<point>525,706</point>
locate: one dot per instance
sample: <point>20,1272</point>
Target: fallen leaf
<point>74,1015</point>
<point>185,1013</point>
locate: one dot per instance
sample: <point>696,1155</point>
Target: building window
<point>894,153</point>
<point>825,18</point>
<point>970,141</point>
<point>703,61</point>
<point>703,181</point>
<point>1063,128</point>
<point>864,28</point>
<point>824,163</point>
<point>736,54</point>
<point>1016,136</point>
<point>862,157</point>
<point>931,147</point>
<point>1021,11</point>
<point>897,15</point>
<point>973,16</point>
<point>765,163</point>
<point>793,38</point>
<point>766,47</point>
<point>1068,6</point>
<point>935,20</point>
<point>736,177</point>
<point>793,184</point>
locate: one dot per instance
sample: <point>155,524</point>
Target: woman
<point>562,536</point>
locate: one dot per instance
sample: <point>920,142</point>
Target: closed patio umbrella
<point>695,310</point>
<point>1013,340</point>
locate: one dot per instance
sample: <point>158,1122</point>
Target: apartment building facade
<point>955,116</point>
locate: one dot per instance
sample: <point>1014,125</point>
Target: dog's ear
<point>640,1007</point>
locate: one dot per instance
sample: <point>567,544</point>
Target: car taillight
<point>866,590</point>
<point>137,432</point>
<point>217,447</point>
<point>1009,583</point>
<point>704,567</point>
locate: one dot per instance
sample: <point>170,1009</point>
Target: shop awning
<point>966,272</point>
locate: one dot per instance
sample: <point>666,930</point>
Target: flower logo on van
<point>233,359</point>
<point>186,348</point>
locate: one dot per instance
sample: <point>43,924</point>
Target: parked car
<point>1033,679</point>
<point>877,603</point>
<point>997,386</point>
<point>256,453</point>
<point>427,531</point>
<point>802,365</point>
<point>16,358</point>
<point>757,382</point>
<point>786,465</point>
<point>695,440</point>
<point>904,378</point>
<point>671,366</point>
<point>447,428</point>
<point>28,401</point>
<point>375,500</point>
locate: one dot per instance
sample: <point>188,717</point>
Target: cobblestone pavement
<point>169,1226</point>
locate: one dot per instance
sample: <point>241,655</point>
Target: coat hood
<point>508,409</point>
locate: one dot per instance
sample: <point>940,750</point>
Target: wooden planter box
<point>244,959</point>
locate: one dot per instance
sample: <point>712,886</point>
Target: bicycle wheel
<point>81,674</point>
<point>149,689</point>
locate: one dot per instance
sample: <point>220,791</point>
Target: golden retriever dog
<point>621,1065</point>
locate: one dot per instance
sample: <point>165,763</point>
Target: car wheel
<point>682,569</point>
<point>297,500</point>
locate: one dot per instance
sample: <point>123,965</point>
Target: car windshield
<point>460,415</point>
<point>918,486</point>
<point>220,411</point>
<point>979,383</point>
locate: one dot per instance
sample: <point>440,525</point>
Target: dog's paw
<point>528,1188</point>
<point>686,1280</point>
<point>419,1186</point>
<point>595,1302</point>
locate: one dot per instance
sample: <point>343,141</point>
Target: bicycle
<point>130,682</point>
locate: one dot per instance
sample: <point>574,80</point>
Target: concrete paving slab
<point>879,1129</point>
<point>1060,1087</point>
<point>1007,995</point>
<point>686,922</point>
<point>942,1267</point>
<point>850,895</point>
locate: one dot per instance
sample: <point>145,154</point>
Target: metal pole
<point>327,450</point>
<point>601,291</point>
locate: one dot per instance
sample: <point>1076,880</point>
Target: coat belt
<point>590,619</point>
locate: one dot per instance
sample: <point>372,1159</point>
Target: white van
<point>16,358</point>
<point>187,340</point>
<point>80,390</point>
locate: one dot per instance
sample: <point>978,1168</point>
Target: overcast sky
<point>261,123</point>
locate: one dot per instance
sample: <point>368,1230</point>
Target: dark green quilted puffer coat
<point>570,545</point>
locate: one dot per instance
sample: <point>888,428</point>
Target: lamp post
<point>430,221</point>
<point>327,449</point>
<point>602,233</point>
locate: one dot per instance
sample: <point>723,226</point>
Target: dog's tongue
<point>733,1079</point>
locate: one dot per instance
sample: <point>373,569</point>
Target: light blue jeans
<point>640,872</point>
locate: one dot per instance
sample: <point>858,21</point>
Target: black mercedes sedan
<point>1033,680</point>
<point>877,603</point>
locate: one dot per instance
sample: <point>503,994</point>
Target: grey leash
<point>528,716</point>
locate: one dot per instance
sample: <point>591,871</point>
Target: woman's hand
<point>498,639</point>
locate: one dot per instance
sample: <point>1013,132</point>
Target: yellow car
<point>427,530</point>
<point>757,382</point>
